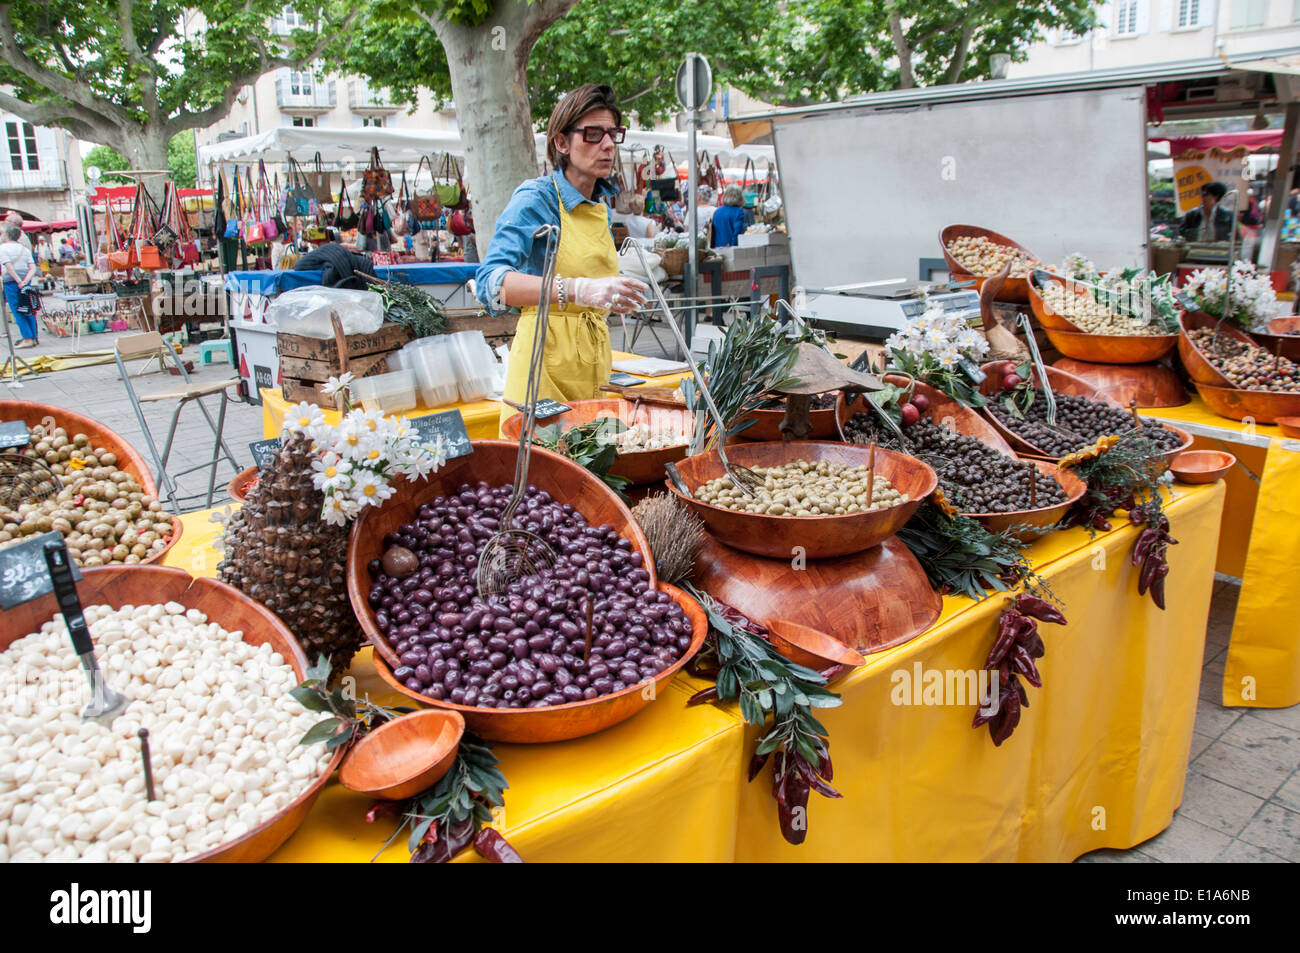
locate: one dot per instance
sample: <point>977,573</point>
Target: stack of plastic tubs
<point>432,363</point>
<point>474,364</point>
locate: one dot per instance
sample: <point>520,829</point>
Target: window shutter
<point>1143,16</point>
<point>1205,13</point>
<point>1168,14</point>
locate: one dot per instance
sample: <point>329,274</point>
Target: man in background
<point>1211,222</point>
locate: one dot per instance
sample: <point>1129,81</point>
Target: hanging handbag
<point>401,210</point>
<point>144,225</point>
<point>363,241</point>
<point>376,183</point>
<point>235,217</point>
<point>275,204</point>
<point>299,199</point>
<point>349,219</point>
<point>450,193</point>
<point>318,180</point>
<point>626,195</point>
<point>750,189</point>
<point>665,182</point>
<point>426,206</point>
<point>219,205</point>
<point>461,224</point>
<point>121,256</point>
<point>315,234</point>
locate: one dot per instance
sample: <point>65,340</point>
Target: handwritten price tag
<point>23,573</point>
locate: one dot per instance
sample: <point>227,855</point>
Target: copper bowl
<point>810,648</point>
<point>1198,363</point>
<point>817,537</point>
<point>1202,466</point>
<point>767,423</point>
<point>639,466</point>
<point>1284,342</point>
<point>128,459</point>
<point>1062,383</point>
<point>1030,524</point>
<point>1014,289</point>
<point>408,755</point>
<point>242,484</point>
<point>1263,406</point>
<point>943,410</point>
<point>1112,348</point>
<point>118,586</point>
<point>575,719</point>
<point>1048,318</point>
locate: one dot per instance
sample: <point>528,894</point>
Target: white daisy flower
<point>331,472</point>
<point>336,384</point>
<point>303,417</point>
<point>339,509</point>
<point>369,489</point>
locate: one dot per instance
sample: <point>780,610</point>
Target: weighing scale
<point>879,308</point>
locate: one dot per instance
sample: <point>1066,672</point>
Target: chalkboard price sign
<point>862,363</point>
<point>449,425</point>
<point>23,573</point>
<point>549,408</point>
<point>1185,301</point>
<point>14,433</point>
<point>264,451</point>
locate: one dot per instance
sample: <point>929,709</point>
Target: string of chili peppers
<point>1013,657</point>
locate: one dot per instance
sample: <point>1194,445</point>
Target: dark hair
<point>1217,189</point>
<point>576,104</point>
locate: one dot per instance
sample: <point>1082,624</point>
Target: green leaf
<point>321,731</point>
<point>309,698</point>
<point>343,736</point>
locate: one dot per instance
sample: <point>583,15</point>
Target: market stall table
<point>1259,544</point>
<point>1098,760</point>
<point>65,312</point>
<point>482,417</point>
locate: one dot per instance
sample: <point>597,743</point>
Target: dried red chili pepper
<point>702,696</point>
<point>1024,664</point>
<point>1149,567</point>
<point>756,764</point>
<point>1008,627</point>
<point>1039,609</point>
<point>1158,586</point>
<point>382,809</point>
<point>455,839</point>
<point>492,846</point>
<point>792,811</point>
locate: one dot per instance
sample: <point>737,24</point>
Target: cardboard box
<point>763,239</point>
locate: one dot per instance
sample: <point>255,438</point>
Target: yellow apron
<point>577,358</point>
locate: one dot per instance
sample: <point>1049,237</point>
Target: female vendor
<point>581,143</point>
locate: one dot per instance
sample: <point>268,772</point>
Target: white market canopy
<point>407,146</point>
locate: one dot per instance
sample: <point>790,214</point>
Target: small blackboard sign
<point>625,380</point>
<point>549,408</point>
<point>264,451</point>
<point>972,370</point>
<point>14,433</point>
<point>1041,277</point>
<point>1185,301</point>
<point>262,377</point>
<point>24,576</point>
<point>449,425</point>
<point>862,363</point>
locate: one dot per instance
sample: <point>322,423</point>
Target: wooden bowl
<point>870,601</point>
<point>118,586</point>
<point>1048,318</point>
<point>1014,289</point>
<point>1202,466</point>
<point>1153,385</point>
<point>943,410</point>
<point>244,481</point>
<point>128,459</point>
<point>575,719</point>
<point>817,537</point>
<point>1197,362</point>
<point>1112,348</point>
<point>1290,426</point>
<point>408,755</point>
<point>810,648</point>
<point>1263,406</point>
<point>1287,344</point>
<point>1037,522</point>
<point>767,423</point>
<point>640,466</point>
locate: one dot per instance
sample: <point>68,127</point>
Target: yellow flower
<point>945,507</point>
<point>1091,452</point>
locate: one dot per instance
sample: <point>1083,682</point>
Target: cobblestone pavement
<point>1242,796</point>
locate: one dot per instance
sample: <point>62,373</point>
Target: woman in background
<point>729,218</point>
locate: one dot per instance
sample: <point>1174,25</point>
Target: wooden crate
<point>321,371</point>
<point>497,330</point>
<point>310,391</point>
<point>388,338</point>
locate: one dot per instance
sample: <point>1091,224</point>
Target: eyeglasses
<point>594,134</point>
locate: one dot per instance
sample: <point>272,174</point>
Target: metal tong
<point>744,478</point>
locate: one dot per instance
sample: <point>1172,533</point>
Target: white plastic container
<point>435,374</point>
<point>474,364</point>
<point>387,393</point>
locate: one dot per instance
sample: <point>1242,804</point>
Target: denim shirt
<point>512,248</point>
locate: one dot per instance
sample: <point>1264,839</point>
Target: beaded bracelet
<point>560,292</point>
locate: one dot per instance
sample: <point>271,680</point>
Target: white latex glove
<point>617,293</point>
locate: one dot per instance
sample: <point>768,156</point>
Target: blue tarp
<point>424,273</point>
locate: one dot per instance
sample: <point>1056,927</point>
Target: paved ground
<point>1242,798</point>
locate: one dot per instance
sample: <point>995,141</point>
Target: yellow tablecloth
<point>482,417</point>
<point>1111,730</point>
<point>1260,544</point>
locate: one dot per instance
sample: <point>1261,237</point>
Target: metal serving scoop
<point>105,704</point>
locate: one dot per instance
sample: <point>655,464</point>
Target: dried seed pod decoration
<point>674,533</point>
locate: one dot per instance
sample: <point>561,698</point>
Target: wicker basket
<point>674,260</point>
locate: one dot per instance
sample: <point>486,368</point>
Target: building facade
<point>40,170</point>
<point>316,98</point>
<point>1143,32</point>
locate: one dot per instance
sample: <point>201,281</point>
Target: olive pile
<point>527,647</point>
<point>1079,422</point>
<point>804,488</point>
<point>973,476</point>
<point>1247,366</point>
<point>104,514</point>
<point>979,256</point>
<point>1091,316</point>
